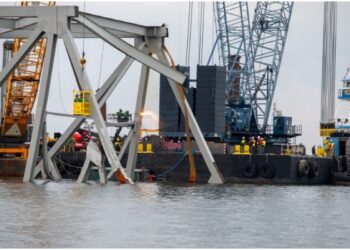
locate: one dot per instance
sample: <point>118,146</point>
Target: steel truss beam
<point>26,22</point>
<point>23,51</point>
<point>38,11</point>
<point>122,151</point>
<point>129,50</point>
<point>40,115</point>
<point>136,132</point>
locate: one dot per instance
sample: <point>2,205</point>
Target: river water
<point>66,214</point>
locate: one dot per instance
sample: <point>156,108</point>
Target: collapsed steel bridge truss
<point>67,23</point>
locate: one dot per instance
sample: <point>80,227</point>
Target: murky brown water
<point>67,214</point>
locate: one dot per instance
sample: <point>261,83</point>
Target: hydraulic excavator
<point>19,93</point>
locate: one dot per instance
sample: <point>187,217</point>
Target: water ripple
<point>67,214</point>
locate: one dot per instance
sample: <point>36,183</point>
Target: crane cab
<point>82,102</point>
<point>344,93</point>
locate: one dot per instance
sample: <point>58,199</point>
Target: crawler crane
<point>19,93</point>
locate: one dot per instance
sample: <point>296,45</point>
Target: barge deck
<point>174,167</point>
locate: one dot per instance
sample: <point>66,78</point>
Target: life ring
<point>267,171</point>
<point>313,169</point>
<point>303,167</point>
<point>249,170</point>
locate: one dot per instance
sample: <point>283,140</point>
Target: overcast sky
<point>298,87</point>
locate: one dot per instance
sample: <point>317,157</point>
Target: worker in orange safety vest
<point>330,149</point>
<point>261,145</point>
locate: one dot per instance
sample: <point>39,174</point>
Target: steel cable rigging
<point>189,33</point>
<point>201,15</point>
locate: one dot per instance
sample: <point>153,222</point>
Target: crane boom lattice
<point>22,85</point>
<point>269,33</point>
<point>233,31</point>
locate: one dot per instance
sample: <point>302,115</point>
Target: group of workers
<point>327,149</point>
<point>78,98</point>
<point>259,143</point>
<point>123,116</point>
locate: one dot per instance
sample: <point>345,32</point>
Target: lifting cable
<point>180,87</point>
<point>202,37</point>
<point>82,59</point>
<point>101,63</point>
<point>201,15</point>
<point>189,32</point>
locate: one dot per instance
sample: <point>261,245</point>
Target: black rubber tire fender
<point>314,169</point>
<point>250,170</point>
<point>303,167</point>
<point>267,170</point>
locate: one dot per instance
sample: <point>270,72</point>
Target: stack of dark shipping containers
<point>207,102</point>
<point>210,99</point>
<point>171,120</point>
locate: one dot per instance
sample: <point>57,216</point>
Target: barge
<point>174,167</point>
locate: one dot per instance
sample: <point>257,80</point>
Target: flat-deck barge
<point>264,168</point>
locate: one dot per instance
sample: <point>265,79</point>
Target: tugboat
<point>340,138</point>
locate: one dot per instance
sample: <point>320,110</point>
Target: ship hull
<point>174,167</point>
